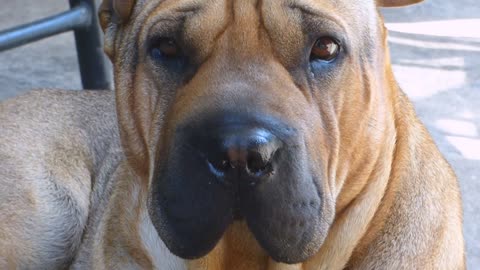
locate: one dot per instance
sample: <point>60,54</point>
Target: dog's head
<point>246,109</point>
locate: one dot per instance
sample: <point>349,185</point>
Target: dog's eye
<point>325,49</point>
<point>166,48</point>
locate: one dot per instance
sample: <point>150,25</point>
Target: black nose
<point>241,149</point>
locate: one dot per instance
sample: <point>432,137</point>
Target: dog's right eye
<point>165,48</point>
<point>166,52</point>
<point>325,49</point>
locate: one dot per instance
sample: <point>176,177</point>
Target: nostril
<point>219,168</point>
<point>260,171</point>
<point>242,152</point>
<point>256,163</point>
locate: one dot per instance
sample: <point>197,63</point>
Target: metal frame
<point>82,19</point>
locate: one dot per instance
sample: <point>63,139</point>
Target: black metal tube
<point>94,68</point>
<point>77,17</point>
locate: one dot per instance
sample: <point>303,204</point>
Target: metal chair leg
<point>94,68</point>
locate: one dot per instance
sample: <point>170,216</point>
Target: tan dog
<point>251,133</point>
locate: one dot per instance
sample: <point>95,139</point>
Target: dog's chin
<point>290,239</point>
<point>191,222</point>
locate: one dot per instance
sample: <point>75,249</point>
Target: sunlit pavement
<point>436,56</point>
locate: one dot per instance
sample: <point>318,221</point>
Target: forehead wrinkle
<point>139,23</point>
<point>169,10</point>
<point>243,32</point>
<point>240,12</point>
<point>308,8</point>
<point>283,28</point>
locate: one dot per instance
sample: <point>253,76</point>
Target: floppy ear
<point>396,3</point>
<point>113,13</point>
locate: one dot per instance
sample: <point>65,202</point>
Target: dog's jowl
<point>242,134</point>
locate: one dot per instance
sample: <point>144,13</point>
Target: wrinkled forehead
<point>206,19</point>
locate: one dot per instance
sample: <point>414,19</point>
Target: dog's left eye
<point>325,49</point>
<point>166,48</point>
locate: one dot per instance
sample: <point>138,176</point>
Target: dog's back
<point>53,145</point>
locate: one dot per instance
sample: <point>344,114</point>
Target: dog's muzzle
<point>228,166</point>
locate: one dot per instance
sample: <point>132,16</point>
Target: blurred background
<point>436,58</point>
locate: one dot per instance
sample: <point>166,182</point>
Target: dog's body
<point>356,181</point>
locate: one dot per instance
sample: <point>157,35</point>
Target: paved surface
<point>436,56</point>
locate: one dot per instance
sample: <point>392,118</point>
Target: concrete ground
<point>436,56</point>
